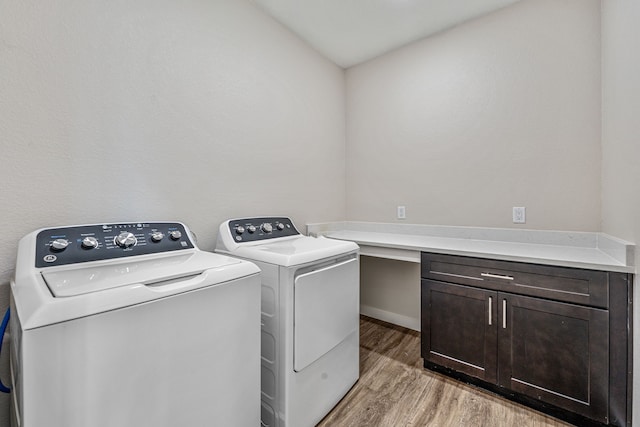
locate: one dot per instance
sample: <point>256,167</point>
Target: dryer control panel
<point>262,228</point>
<point>83,243</point>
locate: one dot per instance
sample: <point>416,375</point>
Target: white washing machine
<point>131,325</point>
<point>310,316</point>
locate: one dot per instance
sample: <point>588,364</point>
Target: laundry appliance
<point>130,325</point>
<point>310,316</point>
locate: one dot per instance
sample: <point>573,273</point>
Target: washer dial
<point>157,236</point>
<point>59,245</point>
<point>126,239</point>
<point>89,242</point>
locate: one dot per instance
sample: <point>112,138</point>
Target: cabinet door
<point>458,328</point>
<point>555,352</point>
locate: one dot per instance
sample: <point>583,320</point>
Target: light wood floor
<point>394,390</point>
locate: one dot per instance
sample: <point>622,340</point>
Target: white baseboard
<point>388,316</point>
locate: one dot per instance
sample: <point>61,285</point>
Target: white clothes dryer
<point>310,316</point>
<point>131,325</point>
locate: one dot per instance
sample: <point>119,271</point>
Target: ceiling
<point>353,31</point>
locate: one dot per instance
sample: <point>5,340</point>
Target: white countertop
<point>594,251</point>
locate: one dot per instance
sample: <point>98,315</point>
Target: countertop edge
<point>608,247</point>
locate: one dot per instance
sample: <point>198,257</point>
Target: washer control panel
<point>263,228</point>
<point>71,245</point>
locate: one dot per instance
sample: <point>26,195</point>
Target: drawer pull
<point>496,276</point>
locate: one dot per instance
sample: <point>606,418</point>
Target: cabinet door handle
<point>490,304</point>
<point>496,276</point>
<point>504,314</point>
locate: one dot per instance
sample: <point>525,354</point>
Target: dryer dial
<point>266,227</point>
<point>175,235</point>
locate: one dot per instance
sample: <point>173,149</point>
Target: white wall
<point>498,112</point>
<point>192,110</point>
<point>621,141</point>
<point>460,127</point>
<point>390,291</point>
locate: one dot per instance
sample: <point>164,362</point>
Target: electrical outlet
<point>402,212</point>
<point>519,215</point>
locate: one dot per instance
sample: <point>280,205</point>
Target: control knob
<point>280,226</point>
<point>59,245</point>
<point>89,242</point>
<point>239,229</point>
<point>126,239</point>
<point>157,236</point>
<point>175,235</point>
<point>266,227</point>
<point>251,229</point>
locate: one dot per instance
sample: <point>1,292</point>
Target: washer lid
<point>293,251</point>
<point>69,282</point>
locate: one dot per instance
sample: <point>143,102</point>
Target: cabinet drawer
<point>585,287</point>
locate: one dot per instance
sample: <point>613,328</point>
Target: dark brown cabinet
<point>462,334</point>
<point>555,352</point>
<point>540,333</point>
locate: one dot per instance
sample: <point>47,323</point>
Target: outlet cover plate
<point>401,212</point>
<point>519,215</point>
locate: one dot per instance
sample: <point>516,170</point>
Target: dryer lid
<point>289,252</point>
<point>69,282</point>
